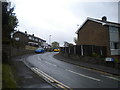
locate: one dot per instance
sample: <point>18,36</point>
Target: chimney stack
<point>104,18</point>
<point>26,32</point>
<point>33,35</point>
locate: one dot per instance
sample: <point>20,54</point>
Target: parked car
<point>39,50</point>
<point>56,49</point>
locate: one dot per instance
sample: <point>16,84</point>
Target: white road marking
<point>39,59</point>
<point>51,79</point>
<point>84,75</point>
<point>50,63</point>
<point>111,77</point>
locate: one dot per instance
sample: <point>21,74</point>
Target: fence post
<point>101,51</point>
<point>92,50</point>
<point>69,50</point>
<point>75,50</point>
<point>82,50</point>
<point>65,49</point>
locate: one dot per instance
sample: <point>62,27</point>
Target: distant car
<point>56,49</point>
<point>39,50</point>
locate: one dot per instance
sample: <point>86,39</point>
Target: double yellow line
<point>50,79</point>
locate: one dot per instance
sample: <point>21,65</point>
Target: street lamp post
<point>50,39</point>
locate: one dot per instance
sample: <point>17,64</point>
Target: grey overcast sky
<point>59,18</point>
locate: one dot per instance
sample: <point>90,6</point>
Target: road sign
<point>109,59</point>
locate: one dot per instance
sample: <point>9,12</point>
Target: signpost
<point>108,59</point>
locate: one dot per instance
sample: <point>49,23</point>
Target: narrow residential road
<point>69,74</point>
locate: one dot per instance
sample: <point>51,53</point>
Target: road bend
<point>69,75</point>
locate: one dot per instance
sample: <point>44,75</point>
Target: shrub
<point>116,60</point>
<point>95,54</point>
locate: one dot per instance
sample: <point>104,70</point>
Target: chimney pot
<point>25,32</point>
<point>104,18</point>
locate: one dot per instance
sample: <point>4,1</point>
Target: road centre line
<point>50,63</point>
<point>75,72</point>
<point>102,72</point>
<point>111,77</point>
<point>47,62</point>
<point>83,75</point>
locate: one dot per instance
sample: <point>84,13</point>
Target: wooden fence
<point>84,50</point>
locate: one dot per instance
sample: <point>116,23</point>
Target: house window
<point>113,29</point>
<point>17,38</point>
<point>36,39</point>
<point>33,38</point>
<point>30,38</point>
<point>39,40</point>
<point>115,45</point>
<point>114,34</point>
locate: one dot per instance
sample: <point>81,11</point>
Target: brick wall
<point>10,51</point>
<point>93,33</point>
<point>23,38</point>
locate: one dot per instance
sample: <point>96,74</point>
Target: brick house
<point>21,37</point>
<point>28,39</point>
<point>33,40</point>
<point>100,33</point>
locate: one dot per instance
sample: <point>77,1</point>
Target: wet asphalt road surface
<point>27,78</point>
<point>69,74</point>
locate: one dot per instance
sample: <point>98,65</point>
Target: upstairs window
<point>114,34</point>
<point>39,40</point>
<point>33,39</point>
<point>30,38</point>
<point>113,29</point>
<point>17,38</point>
<point>36,39</point>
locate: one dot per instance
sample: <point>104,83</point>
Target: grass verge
<point>8,80</point>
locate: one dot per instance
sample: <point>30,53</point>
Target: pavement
<point>100,68</point>
<point>25,77</point>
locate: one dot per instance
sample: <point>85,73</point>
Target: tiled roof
<point>105,22</point>
<point>100,21</point>
<point>29,35</point>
